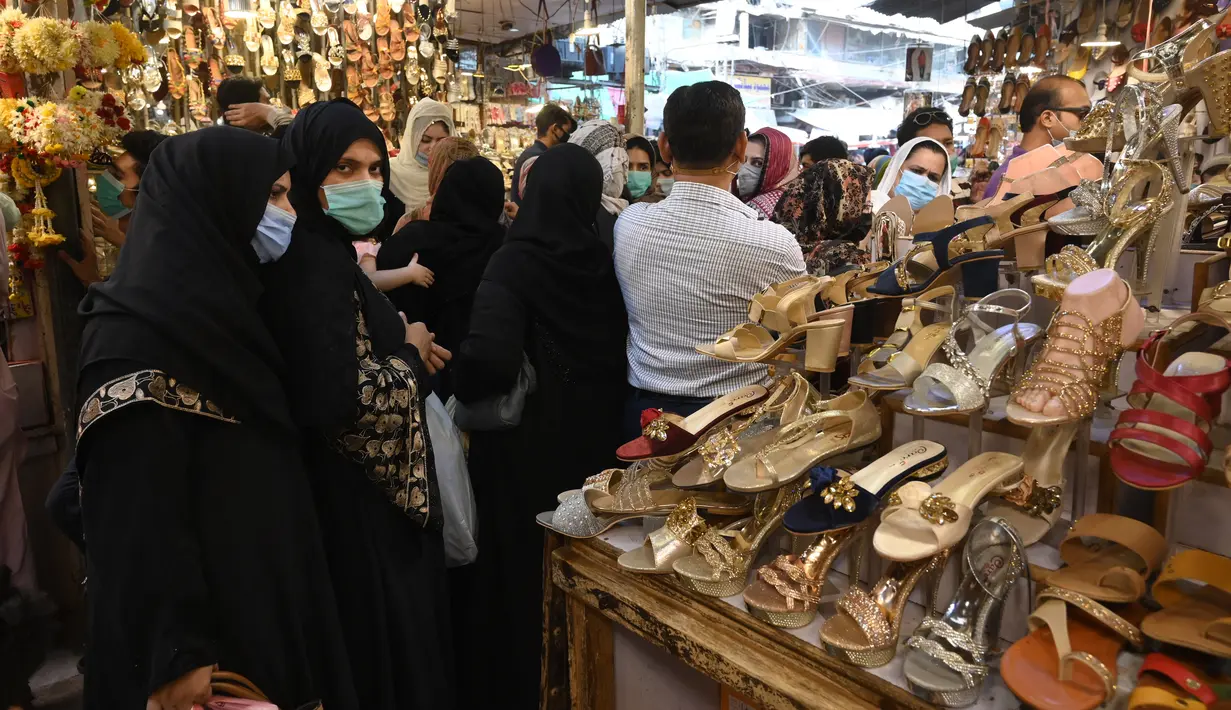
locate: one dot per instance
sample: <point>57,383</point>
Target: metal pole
<point>634,66</point>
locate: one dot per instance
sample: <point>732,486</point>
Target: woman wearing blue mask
<point>920,171</point>
<point>356,375</point>
<point>204,545</point>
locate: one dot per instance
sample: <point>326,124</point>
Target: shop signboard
<point>756,90</point>
<point>468,59</point>
<point>918,63</point>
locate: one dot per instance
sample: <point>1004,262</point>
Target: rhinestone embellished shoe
<point>1134,221</point>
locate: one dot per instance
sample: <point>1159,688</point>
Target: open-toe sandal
<point>747,433</point>
<point>1074,385</point>
<point>787,591</point>
<point>1068,661</point>
<point>641,475</point>
<point>947,656</point>
<point>720,561</point>
<point>840,500</point>
<point>903,366</point>
<point>844,424</point>
<point>1033,505</point>
<point>922,520</point>
<point>1193,617</point>
<point>965,384</point>
<point>671,542</point>
<point>1163,440</point>
<point>909,323</point>
<point>866,629</point>
<point>667,434</point>
<point>751,342</point>
<point>1167,683</point>
<point>1108,558</point>
<point>574,518</point>
<point>641,499</point>
<point>938,259</point>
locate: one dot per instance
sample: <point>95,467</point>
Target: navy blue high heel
<point>978,270</point>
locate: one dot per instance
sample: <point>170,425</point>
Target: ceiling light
<point>588,28</point>
<point>1029,69</point>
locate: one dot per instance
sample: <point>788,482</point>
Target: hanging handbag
<point>501,411</point>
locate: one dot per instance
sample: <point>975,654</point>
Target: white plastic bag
<point>461,518</point>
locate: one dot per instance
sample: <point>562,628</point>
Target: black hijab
<point>461,235</point>
<point>310,292</point>
<point>183,298</point>
<point>554,261</point>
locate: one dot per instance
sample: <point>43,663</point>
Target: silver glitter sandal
<point>573,518</point>
<point>947,657</point>
<point>965,384</point>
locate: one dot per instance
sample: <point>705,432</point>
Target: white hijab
<point>407,178</point>
<point>884,190</point>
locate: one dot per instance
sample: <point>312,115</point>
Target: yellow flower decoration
<point>99,47</point>
<point>44,46</point>
<point>132,51</point>
<point>10,21</point>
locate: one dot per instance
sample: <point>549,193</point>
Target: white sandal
<point>965,384</point>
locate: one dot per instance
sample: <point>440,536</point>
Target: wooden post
<point>634,66</point>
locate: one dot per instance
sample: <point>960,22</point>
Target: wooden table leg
<point>591,658</point>
<point>554,681</point>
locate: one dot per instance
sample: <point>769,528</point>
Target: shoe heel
<point>980,277</point>
<point>822,343</point>
<point>931,471</point>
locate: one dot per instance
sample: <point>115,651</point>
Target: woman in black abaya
<point>550,291</point>
<point>455,243</point>
<point>203,544</point>
<point>354,374</point>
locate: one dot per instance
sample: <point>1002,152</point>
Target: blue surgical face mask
<point>917,189</point>
<point>358,206</point>
<point>665,184</point>
<point>107,190</point>
<point>422,158</point>
<point>273,234</point>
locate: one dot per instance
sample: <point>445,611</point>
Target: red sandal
<point>1163,441</point>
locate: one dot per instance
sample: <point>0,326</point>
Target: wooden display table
<point>587,592</point>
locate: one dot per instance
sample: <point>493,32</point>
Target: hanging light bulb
<point>1101,39</point>
<point>588,28</point>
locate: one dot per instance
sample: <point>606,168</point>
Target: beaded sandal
<point>947,657</point>
<point>788,590</point>
<point>671,542</point>
<point>1095,345</point>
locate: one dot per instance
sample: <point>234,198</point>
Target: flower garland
<point>44,45</point>
<point>48,134</point>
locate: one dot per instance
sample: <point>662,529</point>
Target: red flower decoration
<point>124,123</point>
<point>649,415</point>
<point>1140,31</point>
<point>108,100</point>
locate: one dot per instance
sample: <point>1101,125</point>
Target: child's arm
<point>389,279</point>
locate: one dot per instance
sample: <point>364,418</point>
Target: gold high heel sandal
<point>909,323</point>
<point>1095,345</point>
<point>788,590</point>
<point>1210,80</point>
<point>719,564</point>
<point>866,629</point>
<point>1130,220</point>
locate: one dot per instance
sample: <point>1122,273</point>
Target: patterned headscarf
<point>446,152</point>
<point>826,202</point>
<point>605,142</point>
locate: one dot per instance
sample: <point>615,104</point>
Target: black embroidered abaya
<point>204,546</point>
<point>456,243</point>
<point>354,390</point>
<point>551,292</point>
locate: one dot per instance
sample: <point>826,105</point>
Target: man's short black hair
<point>643,144</point>
<point>919,119</point>
<point>824,148</point>
<point>1041,96</point>
<point>140,145</point>
<point>703,122</point>
<point>238,90</point>
<point>553,115</point>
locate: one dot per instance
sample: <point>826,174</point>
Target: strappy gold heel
<point>866,629</point>
<point>1076,386</point>
<point>788,590</point>
<point>1131,220</point>
<point>1060,270</point>
<point>719,564</point>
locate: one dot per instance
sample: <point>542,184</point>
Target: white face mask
<point>1066,132</point>
<point>273,234</point>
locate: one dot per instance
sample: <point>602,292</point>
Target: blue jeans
<point>639,400</point>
